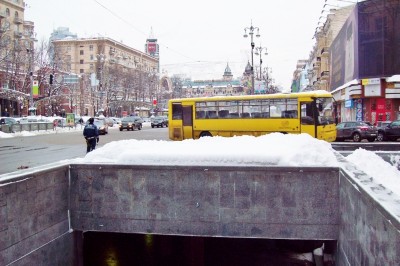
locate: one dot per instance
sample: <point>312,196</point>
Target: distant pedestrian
<point>80,121</point>
<point>91,134</point>
<point>55,124</point>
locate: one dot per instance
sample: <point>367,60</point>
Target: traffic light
<point>51,79</point>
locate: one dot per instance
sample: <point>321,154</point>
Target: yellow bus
<point>304,112</point>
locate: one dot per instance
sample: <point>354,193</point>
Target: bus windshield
<point>325,113</point>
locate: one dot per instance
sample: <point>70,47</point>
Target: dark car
<point>389,132</point>
<point>159,121</point>
<point>356,131</point>
<point>131,123</point>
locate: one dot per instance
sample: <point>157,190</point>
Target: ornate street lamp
<point>259,51</point>
<point>251,30</point>
<point>101,58</point>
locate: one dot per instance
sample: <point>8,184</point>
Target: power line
<point>128,23</point>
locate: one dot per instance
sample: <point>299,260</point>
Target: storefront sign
<point>372,90</point>
<point>371,81</point>
<point>348,104</point>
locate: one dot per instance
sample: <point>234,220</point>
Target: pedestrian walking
<point>91,134</point>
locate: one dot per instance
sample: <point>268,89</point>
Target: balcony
<point>325,75</point>
<point>18,34</point>
<point>325,51</point>
<point>317,65</point>
<point>18,21</point>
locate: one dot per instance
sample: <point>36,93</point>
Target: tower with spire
<point>151,47</point>
<point>227,73</point>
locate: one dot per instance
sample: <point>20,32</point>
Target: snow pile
<point>271,149</point>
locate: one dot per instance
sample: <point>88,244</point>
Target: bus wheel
<point>205,134</point>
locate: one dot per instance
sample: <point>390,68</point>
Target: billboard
<point>344,53</point>
<point>379,39</point>
<point>368,44</point>
<point>35,89</point>
<point>151,48</point>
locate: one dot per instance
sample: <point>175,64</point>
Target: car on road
<point>389,132</point>
<point>131,123</point>
<point>109,121</point>
<point>101,126</point>
<point>159,121</point>
<point>356,131</point>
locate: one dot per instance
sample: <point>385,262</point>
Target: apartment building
<point>100,59</point>
<point>17,39</point>
<point>356,57</point>
<point>82,55</point>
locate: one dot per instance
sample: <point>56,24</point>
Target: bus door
<point>308,119</point>
<point>181,122</point>
<point>187,122</point>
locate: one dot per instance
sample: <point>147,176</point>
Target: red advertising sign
<point>151,47</point>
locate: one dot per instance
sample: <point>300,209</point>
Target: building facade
<point>357,57</point>
<point>17,39</point>
<point>104,68</point>
<point>365,72</point>
<point>218,87</point>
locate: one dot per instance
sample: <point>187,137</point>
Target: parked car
<point>356,131</point>
<point>8,121</point>
<point>131,123</point>
<point>101,126</point>
<point>165,120</point>
<point>389,132</point>
<point>158,121</point>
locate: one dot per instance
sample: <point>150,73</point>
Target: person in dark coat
<point>91,134</point>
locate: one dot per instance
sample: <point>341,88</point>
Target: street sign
<point>71,79</point>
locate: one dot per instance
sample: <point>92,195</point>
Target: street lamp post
<point>259,51</point>
<point>251,30</point>
<point>100,60</point>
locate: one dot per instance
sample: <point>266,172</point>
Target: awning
<point>394,78</point>
<point>348,84</point>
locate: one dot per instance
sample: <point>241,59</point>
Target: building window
<point>81,52</point>
<point>91,67</point>
<point>7,12</point>
<point>68,48</point>
<point>91,47</point>
<point>81,61</point>
<point>81,71</point>
<point>91,57</point>
<point>16,14</point>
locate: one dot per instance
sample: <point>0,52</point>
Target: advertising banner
<point>151,47</point>
<point>344,53</point>
<point>35,89</point>
<point>70,119</point>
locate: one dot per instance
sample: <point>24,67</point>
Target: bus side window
<point>200,114</point>
<point>245,115</point>
<point>211,114</point>
<point>234,115</point>
<point>265,114</point>
<point>223,113</point>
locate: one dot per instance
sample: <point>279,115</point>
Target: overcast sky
<point>196,38</point>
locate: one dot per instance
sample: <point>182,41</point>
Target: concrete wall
<point>266,202</point>
<point>263,202</point>
<point>369,234</point>
<point>34,226</point>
